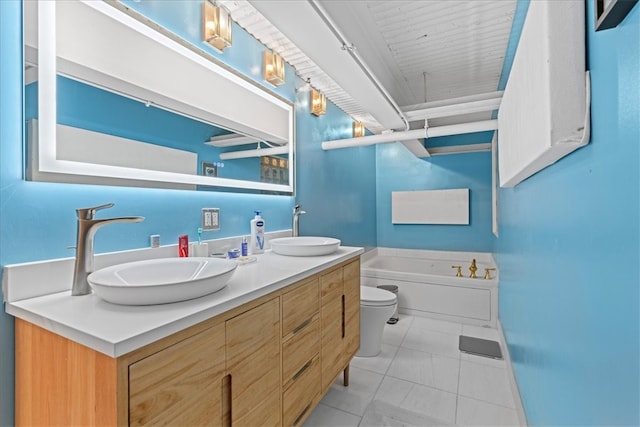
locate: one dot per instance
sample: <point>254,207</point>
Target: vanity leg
<point>345,375</point>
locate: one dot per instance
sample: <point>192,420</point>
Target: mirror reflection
<point>101,126</point>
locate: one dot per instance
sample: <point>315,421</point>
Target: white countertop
<point>118,329</point>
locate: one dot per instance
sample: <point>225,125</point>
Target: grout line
<point>490,403</point>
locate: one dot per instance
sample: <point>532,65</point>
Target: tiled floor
<point>421,379</point>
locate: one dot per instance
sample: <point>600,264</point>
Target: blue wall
<point>399,170</point>
<point>37,220</point>
<point>335,187</point>
<point>568,256</point>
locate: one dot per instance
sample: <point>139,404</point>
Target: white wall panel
<point>430,207</point>
<point>544,106</point>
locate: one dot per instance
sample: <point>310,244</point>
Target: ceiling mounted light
<point>272,68</point>
<point>358,129</point>
<point>318,103</point>
<point>216,26</point>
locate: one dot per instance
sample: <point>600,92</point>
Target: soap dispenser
<point>256,241</point>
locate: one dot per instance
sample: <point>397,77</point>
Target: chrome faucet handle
<point>90,213</point>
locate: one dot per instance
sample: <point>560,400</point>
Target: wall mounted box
<point>544,113</point>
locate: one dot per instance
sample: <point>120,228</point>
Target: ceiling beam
<point>408,135</point>
<point>454,106</point>
<point>300,22</point>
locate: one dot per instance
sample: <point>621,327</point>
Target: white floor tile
<point>425,368</point>
<point>354,399</point>
<point>481,332</point>
<point>473,412</point>
<point>419,338</point>
<point>418,399</point>
<point>326,416</point>
<point>379,363</point>
<point>394,334</point>
<point>486,383</point>
<point>422,379</point>
<point>438,325</point>
<point>381,414</point>
<point>496,363</point>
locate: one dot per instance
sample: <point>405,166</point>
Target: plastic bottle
<point>244,247</point>
<point>256,241</point>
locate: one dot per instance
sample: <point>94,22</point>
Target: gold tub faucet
<point>487,273</point>
<point>459,272</point>
<point>473,268</point>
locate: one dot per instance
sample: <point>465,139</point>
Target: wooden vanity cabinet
<point>182,384</point>
<point>228,374</point>
<point>253,365</point>
<point>300,351</point>
<point>267,362</point>
<point>340,320</point>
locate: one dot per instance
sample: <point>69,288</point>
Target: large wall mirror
<point>112,100</point>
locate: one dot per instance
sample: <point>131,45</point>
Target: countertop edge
<point>28,310</point>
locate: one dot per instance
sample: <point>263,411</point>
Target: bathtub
<point>428,286</point>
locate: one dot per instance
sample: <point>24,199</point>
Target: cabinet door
<point>253,361</point>
<point>351,274</point>
<point>331,290</point>
<point>180,385</point>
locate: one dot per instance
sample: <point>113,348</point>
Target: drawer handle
<point>301,326</point>
<point>301,371</point>
<point>304,411</point>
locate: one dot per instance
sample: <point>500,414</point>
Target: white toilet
<point>376,306</point>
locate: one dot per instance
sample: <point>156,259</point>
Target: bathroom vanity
<point>262,351</point>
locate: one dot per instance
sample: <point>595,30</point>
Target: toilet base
<point>372,323</point>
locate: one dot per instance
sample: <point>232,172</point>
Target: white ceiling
<point>418,51</point>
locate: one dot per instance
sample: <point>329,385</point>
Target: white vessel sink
<point>305,246</point>
<point>160,281</point>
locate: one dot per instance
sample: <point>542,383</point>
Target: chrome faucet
<point>87,227</point>
<point>296,215</point>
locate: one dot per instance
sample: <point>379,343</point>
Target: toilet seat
<point>374,297</point>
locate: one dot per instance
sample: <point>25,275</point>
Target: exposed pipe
<point>432,132</point>
<point>350,48</point>
<point>454,110</point>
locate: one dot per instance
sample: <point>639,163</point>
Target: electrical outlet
<point>210,219</point>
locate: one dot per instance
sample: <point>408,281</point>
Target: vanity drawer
<point>299,349</point>
<point>331,286</point>
<point>299,305</point>
<point>299,398</point>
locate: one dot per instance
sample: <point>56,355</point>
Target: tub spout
<point>473,268</point>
